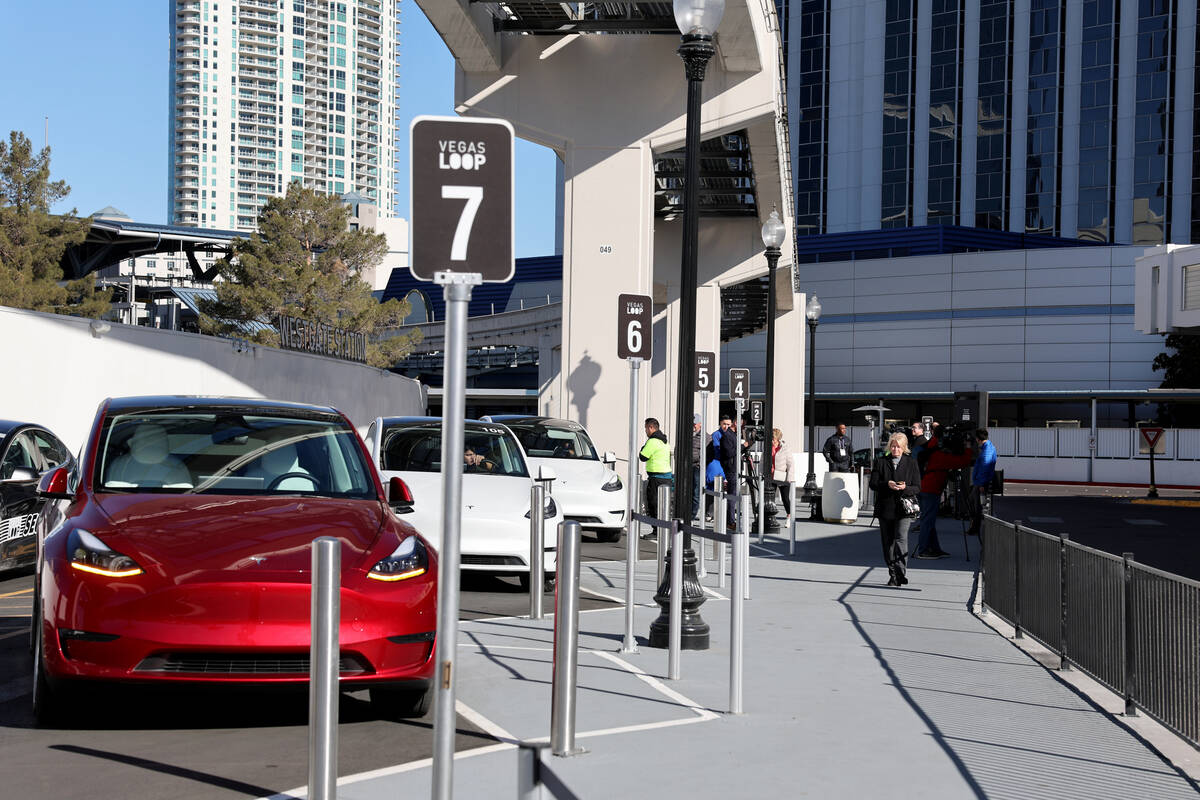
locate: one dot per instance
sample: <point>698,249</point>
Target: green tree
<point>1181,369</point>
<point>305,262</point>
<point>32,240</point>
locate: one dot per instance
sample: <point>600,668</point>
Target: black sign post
<point>706,371</point>
<point>634,344</point>
<point>634,326</point>
<point>739,384</point>
<point>461,228</point>
<point>461,197</point>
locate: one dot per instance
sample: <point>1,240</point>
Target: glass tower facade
<point>264,92</point>
<point>1042,117</point>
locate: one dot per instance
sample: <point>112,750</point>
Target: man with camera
<point>947,450</point>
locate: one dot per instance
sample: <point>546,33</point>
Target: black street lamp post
<point>697,21</point>
<point>773,233</point>
<point>812,312</point>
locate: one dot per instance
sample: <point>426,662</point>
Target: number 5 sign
<point>633,326</point>
<point>461,197</point>
<point>705,371</point>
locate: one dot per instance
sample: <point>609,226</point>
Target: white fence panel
<point>1073,442</point>
<point>1005,440</point>
<point>1114,442</point>
<point>1189,445</point>
<point>1035,441</point>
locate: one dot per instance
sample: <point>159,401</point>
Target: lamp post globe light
<point>812,312</point>
<point>697,21</point>
<point>773,234</point>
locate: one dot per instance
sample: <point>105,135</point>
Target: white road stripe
<point>10,634</point>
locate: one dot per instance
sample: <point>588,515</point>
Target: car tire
<point>392,703</point>
<point>608,536</point>
<point>47,700</point>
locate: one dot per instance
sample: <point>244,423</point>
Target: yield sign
<point>1151,435</point>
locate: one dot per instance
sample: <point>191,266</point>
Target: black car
<point>26,451</point>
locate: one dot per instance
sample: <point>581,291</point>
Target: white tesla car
<point>585,487</point>
<point>495,491</point>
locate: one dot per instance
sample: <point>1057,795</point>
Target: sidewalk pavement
<point>853,689</point>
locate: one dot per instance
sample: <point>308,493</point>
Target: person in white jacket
<point>781,466</point>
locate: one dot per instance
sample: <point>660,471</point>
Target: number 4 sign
<point>739,384</point>
<point>633,326</point>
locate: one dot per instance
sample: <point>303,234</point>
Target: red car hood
<point>192,536</point>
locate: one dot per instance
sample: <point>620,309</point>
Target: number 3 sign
<point>633,326</point>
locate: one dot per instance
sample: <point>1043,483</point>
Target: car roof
<point>532,418</point>
<point>389,422</point>
<point>207,401</point>
<point>7,426</point>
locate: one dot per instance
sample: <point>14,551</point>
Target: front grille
<point>243,664</point>
<point>492,561</point>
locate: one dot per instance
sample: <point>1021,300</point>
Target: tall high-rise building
<point>1073,118</point>
<point>264,92</point>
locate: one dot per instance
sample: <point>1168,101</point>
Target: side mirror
<point>399,496</point>
<point>53,485</point>
<point>546,474</point>
<point>610,459</point>
<point>21,475</point>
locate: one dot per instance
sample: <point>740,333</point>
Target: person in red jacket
<point>941,455</point>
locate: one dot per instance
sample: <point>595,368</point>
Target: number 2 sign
<point>461,197</point>
<point>634,326</point>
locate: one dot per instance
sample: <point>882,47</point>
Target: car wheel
<point>608,536</point>
<point>47,702</point>
<point>393,703</point>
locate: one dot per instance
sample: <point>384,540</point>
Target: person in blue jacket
<point>981,476</point>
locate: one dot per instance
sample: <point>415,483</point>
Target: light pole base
<point>694,630</point>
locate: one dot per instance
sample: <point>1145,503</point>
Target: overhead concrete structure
<point>1167,290</point>
<point>613,108</point>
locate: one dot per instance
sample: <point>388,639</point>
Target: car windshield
<point>231,451</point>
<point>554,440</point>
<point>487,450</point>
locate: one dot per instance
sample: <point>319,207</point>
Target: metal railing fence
<point>1133,628</point>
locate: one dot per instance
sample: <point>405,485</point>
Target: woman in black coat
<point>892,477</point>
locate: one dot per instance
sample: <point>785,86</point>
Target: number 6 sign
<point>461,197</point>
<point>633,326</point>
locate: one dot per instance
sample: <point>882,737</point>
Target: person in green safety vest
<point>657,456</point>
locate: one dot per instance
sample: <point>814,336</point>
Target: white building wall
<point>1058,318</point>
<point>129,360</point>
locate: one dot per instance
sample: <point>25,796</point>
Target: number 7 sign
<point>461,197</point>
<point>634,326</point>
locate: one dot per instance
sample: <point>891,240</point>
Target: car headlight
<point>408,560</point>
<point>613,484</point>
<point>88,554</point>
<point>548,510</point>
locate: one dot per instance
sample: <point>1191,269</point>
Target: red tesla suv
<point>178,550</point>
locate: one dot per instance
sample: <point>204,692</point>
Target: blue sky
<point>99,71</point>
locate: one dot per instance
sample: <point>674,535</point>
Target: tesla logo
<point>471,507</point>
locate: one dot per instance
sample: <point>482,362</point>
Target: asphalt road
<point>134,744</point>
<point>1112,519</point>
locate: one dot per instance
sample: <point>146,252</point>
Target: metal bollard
<point>792,527</point>
<point>529,778</point>
<point>744,544</point>
<point>736,610</point>
<point>633,542</point>
<point>719,518</point>
<point>664,512</point>
<point>762,509</point>
<point>323,669</point>
<point>537,549</point>
<point>566,642</point>
<point>675,630</point>
<point>700,544</point>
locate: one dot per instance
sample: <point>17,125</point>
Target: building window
<point>1044,122</point>
<point>1152,129</point>
<point>338,101</point>
<point>991,153</point>
<point>1191,287</point>
<point>898,75</point>
<point>945,111</point>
